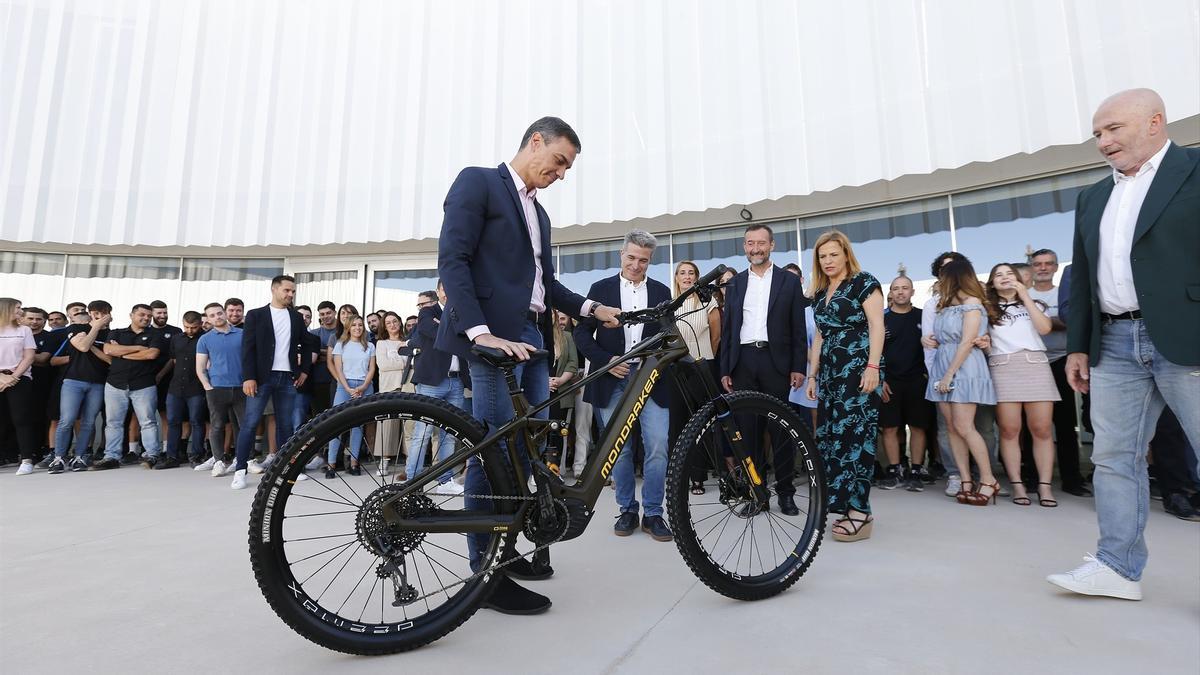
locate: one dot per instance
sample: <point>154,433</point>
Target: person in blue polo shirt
<point>219,367</point>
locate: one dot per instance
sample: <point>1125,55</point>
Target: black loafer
<point>1178,505</point>
<point>106,464</point>
<point>627,523</point>
<point>166,462</point>
<point>510,598</point>
<point>1078,491</point>
<point>526,571</point>
<point>787,505</point>
<point>657,528</point>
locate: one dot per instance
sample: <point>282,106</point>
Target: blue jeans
<point>655,420</point>
<point>79,401</point>
<point>280,387</point>
<point>145,407</point>
<point>356,435</point>
<point>194,407</point>
<point>450,391</point>
<point>303,404</point>
<point>1129,386</point>
<point>491,405</point>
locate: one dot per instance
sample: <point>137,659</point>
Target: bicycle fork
<point>755,486</point>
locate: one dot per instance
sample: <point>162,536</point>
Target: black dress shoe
<point>1194,500</point>
<point>527,571</point>
<point>1078,491</point>
<point>787,505</point>
<point>510,598</point>
<point>166,462</point>
<point>1178,505</point>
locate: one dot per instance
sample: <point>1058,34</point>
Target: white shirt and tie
<point>1114,273</point>
<point>754,308</point>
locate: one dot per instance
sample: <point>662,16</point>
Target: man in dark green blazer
<point>1133,332</point>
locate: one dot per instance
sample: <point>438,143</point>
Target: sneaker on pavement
<point>953,485</point>
<point>239,480</point>
<point>891,478</point>
<point>46,461</point>
<point>219,469</point>
<point>266,463</point>
<point>913,482</point>
<point>627,523</point>
<point>166,462</point>
<point>448,488</point>
<point>206,466</point>
<point>105,464</point>
<point>1095,578</point>
<point>657,528</point>
<point>315,463</point>
<point>302,476</point>
<point>26,467</point>
<point>255,467</point>
<point>129,459</point>
<point>57,465</point>
<point>78,464</point>
<point>923,474</point>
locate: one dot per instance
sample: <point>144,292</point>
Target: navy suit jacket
<point>485,262</point>
<point>432,364</point>
<point>599,344</point>
<point>258,345</point>
<point>787,336</point>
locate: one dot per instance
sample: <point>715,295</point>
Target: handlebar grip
<point>714,274</point>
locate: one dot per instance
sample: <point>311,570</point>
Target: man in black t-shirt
<point>43,373</point>
<point>904,389</point>
<point>167,332</point>
<point>185,394</point>
<point>131,381</point>
<point>83,386</point>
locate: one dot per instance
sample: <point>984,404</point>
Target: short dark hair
<point>141,305</point>
<point>550,128</point>
<point>431,295</point>
<point>327,304</point>
<point>935,268</point>
<point>75,304</point>
<point>411,316</point>
<point>760,226</point>
<point>234,301</point>
<point>53,313</point>
<point>191,316</point>
<point>1044,251</point>
<point>793,267</point>
<point>304,307</point>
<point>213,304</point>
<point>99,306</point>
<point>157,304</point>
<point>35,310</point>
<point>280,278</point>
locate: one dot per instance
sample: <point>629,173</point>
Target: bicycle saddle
<point>498,359</point>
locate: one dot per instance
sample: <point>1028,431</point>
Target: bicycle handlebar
<point>663,309</point>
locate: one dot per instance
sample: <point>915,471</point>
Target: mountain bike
<point>371,565</point>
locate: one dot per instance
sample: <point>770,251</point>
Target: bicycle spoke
<point>349,543</point>
<point>312,515</point>
<point>351,593</point>
<point>337,574</point>
<point>325,536</point>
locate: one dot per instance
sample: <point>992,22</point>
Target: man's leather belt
<point>533,316</point>
<point>757,344</point>
<point>1135,315</point>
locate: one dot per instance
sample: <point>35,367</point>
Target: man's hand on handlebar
<point>619,371</point>
<point>518,350</point>
<point>608,316</point>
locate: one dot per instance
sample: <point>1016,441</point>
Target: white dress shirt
<point>754,309</point>
<point>281,322</point>
<point>633,297</point>
<point>1114,274</point>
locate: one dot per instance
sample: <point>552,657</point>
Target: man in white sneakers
<point>219,368</point>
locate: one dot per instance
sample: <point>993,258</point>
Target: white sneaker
<point>383,468</point>
<point>270,460</point>
<point>301,477</point>
<point>953,485</point>
<point>315,463</point>
<point>239,480</point>
<point>207,466</point>
<point>219,469</point>
<point>1095,578</point>
<point>255,467</point>
<point>25,469</point>
<point>448,488</point>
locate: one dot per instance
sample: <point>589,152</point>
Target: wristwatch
<point>592,309</point>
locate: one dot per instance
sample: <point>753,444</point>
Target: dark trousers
<point>194,407</point>
<point>1170,450</point>
<point>322,397</point>
<point>225,405</point>
<point>756,371</point>
<point>681,410</point>
<point>16,403</point>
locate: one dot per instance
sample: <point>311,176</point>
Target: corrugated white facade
<point>218,123</point>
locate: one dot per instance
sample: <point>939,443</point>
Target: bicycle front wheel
<point>336,571</point>
<point>739,548</point>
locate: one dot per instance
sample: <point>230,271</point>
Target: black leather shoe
<point>166,462</point>
<point>657,528</point>
<point>627,523</point>
<point>106,464</point>
<point>1194,500</point>
<point>526,571</point>
<point>1078,491</point>
<point>510,598</point>
<point>1178,505</point>
<point>787,505</point>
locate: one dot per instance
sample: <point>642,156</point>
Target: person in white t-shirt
<point>17,348</point>
<point>1021,375</point>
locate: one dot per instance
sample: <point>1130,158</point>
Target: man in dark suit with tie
<point>497,266</point>
<point>764,342</point>
<point>275,362</point>
<point>1133,323</point>
<point>630,290</point>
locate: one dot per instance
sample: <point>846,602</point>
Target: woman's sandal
<point>1048,503</point>
<point>854,529</point>
<point>963,492</point>
<point>697,487</point>
<point>1019,501</point>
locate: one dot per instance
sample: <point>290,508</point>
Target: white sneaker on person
<point>25,469</point>
<point>1095,578</point>
<point>239,480</point>
<point>953,485</point>
<point>315,463</point>
<point>254,467</point>
<point>206,466</point>
<point>302,476</point>
<point>448,488</point>
<point>270,460</point>
<point>219,469</point>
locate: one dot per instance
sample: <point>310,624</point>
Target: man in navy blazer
<point>764,341</point>
<point>497,266</point>
<point>275,362</point>
<point>630,290</point>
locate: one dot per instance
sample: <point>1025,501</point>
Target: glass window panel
<point>396,290</point>
<point>231,269</point>
<point>339,287</point>
<point>581,265</point>
<point>33,278</point>
<point>208,280</point>
<point>121,267</point>
<point>31,263</point>
<point>723,246</point>
<point>123,281</point>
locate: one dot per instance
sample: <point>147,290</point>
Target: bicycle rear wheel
<point>331,566</point>
<point>735,546</point>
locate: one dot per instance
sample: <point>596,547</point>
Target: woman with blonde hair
<point>392,360</point>
<point>845,360</point>
<point>352,364</point>
<point>565,368</point>
<point>700,325</point>
<point>17,348</point>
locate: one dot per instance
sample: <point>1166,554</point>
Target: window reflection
<point>396,290</point>
<point>710,248</point>
<point>581,265</point>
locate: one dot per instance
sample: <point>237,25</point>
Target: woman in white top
<point>700,326</point>
<point>352,364</point>
<point>1021,374</point>
<point>16,380</point>
<point>392,364</point>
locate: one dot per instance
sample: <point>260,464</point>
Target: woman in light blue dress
<point>959,379</point>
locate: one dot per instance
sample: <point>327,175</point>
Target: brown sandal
<point>963,491</point>
<point>855,529</point>
<point>979,499</point>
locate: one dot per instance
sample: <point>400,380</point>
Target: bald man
<point>1133,322</point>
